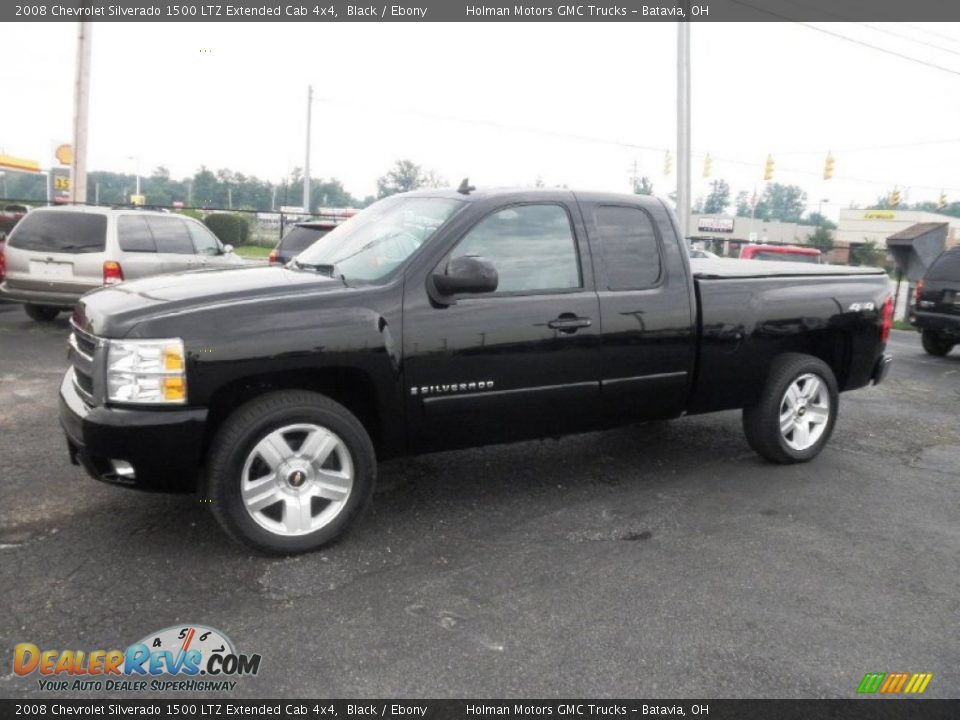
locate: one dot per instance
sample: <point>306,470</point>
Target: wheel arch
<point>351,387</point>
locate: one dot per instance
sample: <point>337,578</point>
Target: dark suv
<point>299,238</point>
<point>936,310</point>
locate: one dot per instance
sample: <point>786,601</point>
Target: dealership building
<point>725,234</point>
<point>860,226</point>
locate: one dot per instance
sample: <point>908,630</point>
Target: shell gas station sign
<point>9,162</point>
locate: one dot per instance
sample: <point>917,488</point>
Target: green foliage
<point>822,239</point>
<point>785,203</point>
<point>817,219</point>
<point>230,228</point>
<point>718,199</point>
<point>405,176</point>
<point>643,186</point>
<point>868,254</point>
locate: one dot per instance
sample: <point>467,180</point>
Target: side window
<point>204,241</point>
<point>171,235</point>
<point>532,247</point>
<point>134,235</point>
<point>629,248</point>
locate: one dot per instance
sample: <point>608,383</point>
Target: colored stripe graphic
<point>894,683</point>
<point>871,682</point>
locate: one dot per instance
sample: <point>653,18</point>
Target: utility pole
<point>81,112</point>
<point>306,162</point>
<point>683,127</point>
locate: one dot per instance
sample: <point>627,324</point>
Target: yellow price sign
<point>61,183</point>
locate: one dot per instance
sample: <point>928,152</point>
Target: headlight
<point>146,371</point>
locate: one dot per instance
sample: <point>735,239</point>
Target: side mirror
<point>227,249</point>
<point>467,274</point>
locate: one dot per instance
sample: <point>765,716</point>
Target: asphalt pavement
<point>653,561</point>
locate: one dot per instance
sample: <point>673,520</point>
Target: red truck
<point>782,253</point>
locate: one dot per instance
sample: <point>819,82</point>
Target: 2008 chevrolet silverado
<point>445,319</point>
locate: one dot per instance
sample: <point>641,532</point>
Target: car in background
<point>936,304</point>
<point>703,254</point>
<point>780,253</point>
<point>301,236</point>
<point>56,254</point>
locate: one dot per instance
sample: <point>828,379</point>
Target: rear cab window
<point>61,232</point>
<point>629,247</point>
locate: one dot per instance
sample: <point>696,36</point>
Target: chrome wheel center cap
<point>801,411</point>
<point>297,478</point>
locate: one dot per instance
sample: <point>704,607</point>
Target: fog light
<point>122,469</point>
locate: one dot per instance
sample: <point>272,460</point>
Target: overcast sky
<point>504,103</point>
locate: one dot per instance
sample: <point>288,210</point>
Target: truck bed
<point>750,311</point>
<point>717,269</point>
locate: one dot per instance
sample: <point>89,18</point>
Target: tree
<point>642,186</point>
<point>786,203</point>
<point>817,219</point>
<point>822,239</point>
<point>718,199</point>
<point>404,176</point>
<point>867,254</point>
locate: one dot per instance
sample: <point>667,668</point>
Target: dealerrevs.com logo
<point>188,658</point>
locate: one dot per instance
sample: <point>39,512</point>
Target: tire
<point>303,502</point>
<point>809,406</point>
<point>934,344</point>
<point>42,313</point>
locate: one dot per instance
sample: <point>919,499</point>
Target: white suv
<point>54,255</point>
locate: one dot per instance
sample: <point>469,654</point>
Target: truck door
<point>519,362</point>
<point>643,283</point>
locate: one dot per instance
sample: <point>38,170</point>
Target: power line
<point>934,33</point>
<point>908,38</point>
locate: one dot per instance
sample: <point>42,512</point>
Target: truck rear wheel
<point>41,313</point>
<point>934,344</point>
<point>289,472</point>
<point>796,413</point>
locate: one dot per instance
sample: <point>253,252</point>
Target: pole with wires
<point>683,128</point>
<point>306,161</point>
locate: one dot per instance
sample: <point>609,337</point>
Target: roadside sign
<point>138,199</point>
<point>64,154</point>
<point>59,184</point>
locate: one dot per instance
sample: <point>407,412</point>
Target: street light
<point>820,210</point>
<point>136,159</point>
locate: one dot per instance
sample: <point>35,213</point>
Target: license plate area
<point>52,270</point>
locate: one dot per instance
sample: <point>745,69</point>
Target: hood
<point>114,311</point>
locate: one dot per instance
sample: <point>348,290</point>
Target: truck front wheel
<point>289,472</point>
<point>795,415</point>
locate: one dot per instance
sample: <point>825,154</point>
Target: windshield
<point>378,240</point>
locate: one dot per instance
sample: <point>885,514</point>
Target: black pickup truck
<point>445,319</point>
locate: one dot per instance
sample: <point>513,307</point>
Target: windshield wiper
<point>328,269</point>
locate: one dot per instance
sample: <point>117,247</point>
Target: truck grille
<point>84,351</point>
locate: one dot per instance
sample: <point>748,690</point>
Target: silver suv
<point>54,255</point>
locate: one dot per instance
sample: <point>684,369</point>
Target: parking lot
<point>657,561</point>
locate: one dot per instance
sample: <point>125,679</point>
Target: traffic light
<point>707,165</point>
<point>668,163</point>
<point>768,169</point>
<point>942,202</point>
<point>828,167</point>
<point>894,198</point>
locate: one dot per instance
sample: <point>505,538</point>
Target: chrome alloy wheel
<point>297,479</point>
<point>804,411</point>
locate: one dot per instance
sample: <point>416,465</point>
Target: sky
<point>578,104</point>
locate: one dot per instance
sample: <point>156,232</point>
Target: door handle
<point>569,323</point>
